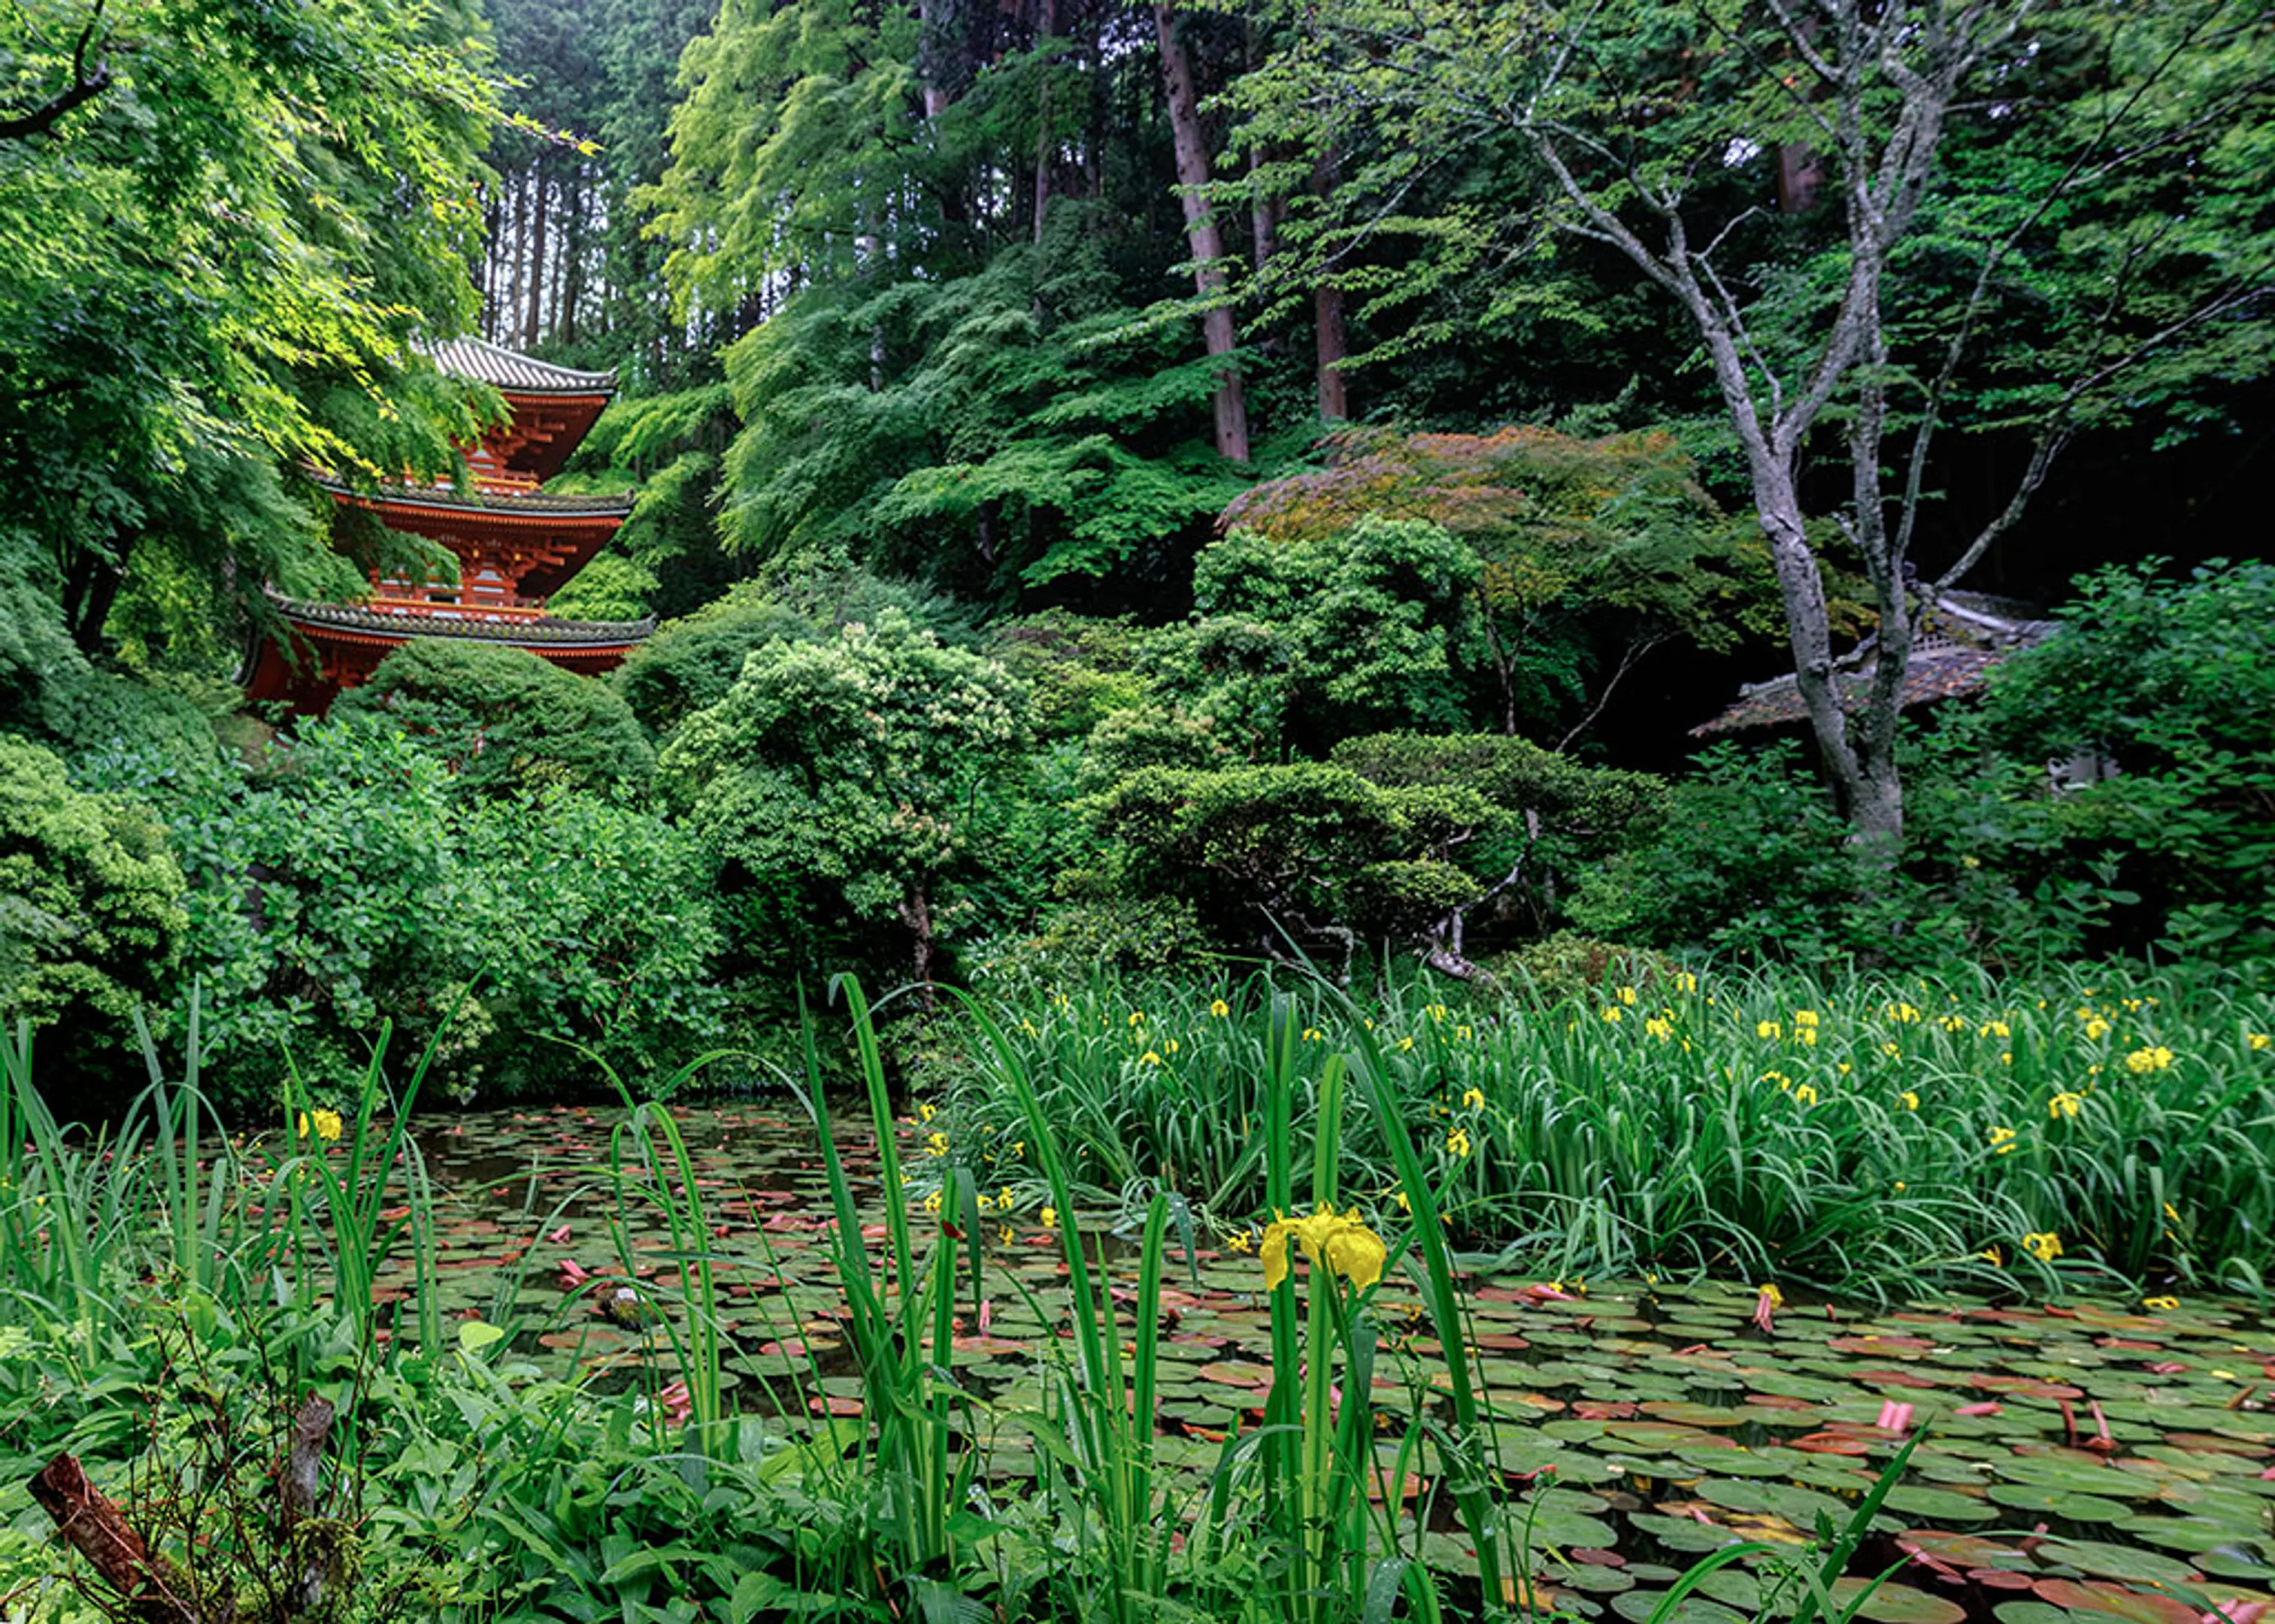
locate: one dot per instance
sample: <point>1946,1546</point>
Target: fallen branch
<point>152,1587</point>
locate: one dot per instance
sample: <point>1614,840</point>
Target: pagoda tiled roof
<point>468,623</point>
<point>1959,641</point>
<point>514,372</point>
<point>616,505</point>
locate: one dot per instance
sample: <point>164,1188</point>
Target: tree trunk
<point>92,588</point>
<point>572,261</point>
<point>933,46</point>
<point>1334,350</point>
<point>529,330</point>
<point>1093,80</point>
<point>1201,232</point>
<point>1263,211</point>
<point>492,222</point>
<point>1868,789</point>
<point>1327,320</point>
<point>916,913</point>
<point>509,280</point>
<point>1047,27</point>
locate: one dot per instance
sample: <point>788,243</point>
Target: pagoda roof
<point>512,372</point>
<point>529,503</point>
<point>470,624</point>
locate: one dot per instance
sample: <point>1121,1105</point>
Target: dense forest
<point>1221,812</point>
<point>1129,485</point>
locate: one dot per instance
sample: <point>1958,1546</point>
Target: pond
<point>2086,1459</point>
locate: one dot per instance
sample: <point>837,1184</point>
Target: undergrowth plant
<point>917,1464</point>
<point>1861,1134</point>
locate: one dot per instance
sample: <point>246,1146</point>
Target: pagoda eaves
<point>515,546</point>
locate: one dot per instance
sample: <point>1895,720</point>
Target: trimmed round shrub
<point>505,721</point>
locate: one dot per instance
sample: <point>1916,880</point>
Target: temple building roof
<point>469,622</point>
<point>502,502</point>
<point>512,372</point>
<point>1954,644</point>
<point>515,545</point>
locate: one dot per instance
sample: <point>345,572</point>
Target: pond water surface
<point>2087,1460</point>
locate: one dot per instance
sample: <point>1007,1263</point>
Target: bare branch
<point>1629,659</point>
<point>87,84</point>
<point>2059,430</point>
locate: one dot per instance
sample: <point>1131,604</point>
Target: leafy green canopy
<point>1004,408</point>
<point>345,880</point>
<point>667,558</point>
<point>2173,683</point>
<point>1304,639</point>
<point>90,899</point>
<point>940,282</point>
<point>210,261</point>
<point>691,663</point>
<point>1991,215</point>
<point>505,721</point>
<point>1394,840</point>
<point>2154,831</point>
<point>1590,552</point>
<point>833,782</point>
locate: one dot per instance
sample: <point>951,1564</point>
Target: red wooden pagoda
<point>515,546</point>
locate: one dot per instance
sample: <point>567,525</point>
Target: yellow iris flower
<point>2045,1247</point>
<point>1340,1244</point>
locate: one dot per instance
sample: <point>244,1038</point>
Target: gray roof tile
<point>508,369</point>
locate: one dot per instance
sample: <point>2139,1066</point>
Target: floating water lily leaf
<point>2100,1597</point>
<point>1956,1554</point>
<point>1942,1504</point>
<point>1597,1581</point>
<point>2068,1506</point>
<point>2197,1533</point>
<point>1641,1605</point>
<point>1684,1533</point>
<point>1734,1587</point>
<point>2031,1612</point>
<point>2110,1562</point>
<point>1896,1604</point>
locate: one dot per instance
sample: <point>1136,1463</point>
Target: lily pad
<point>2063,1503</point>
<point>1939,1505</point>
<point>2112,1561</point>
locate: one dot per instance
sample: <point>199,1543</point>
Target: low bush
<point>504,720</point>
<point>346,878</point>
<point>91,914</point>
